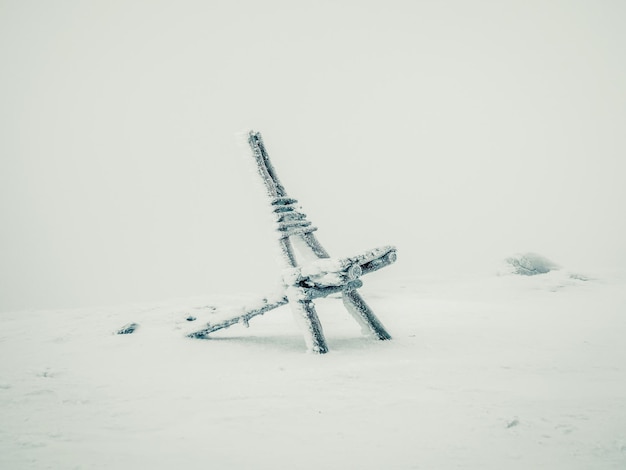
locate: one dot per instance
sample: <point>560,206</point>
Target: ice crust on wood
<point>245,314</point>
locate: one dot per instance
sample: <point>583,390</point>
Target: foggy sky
<point>462,132</point>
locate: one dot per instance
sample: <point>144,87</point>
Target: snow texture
<point>500,372</point>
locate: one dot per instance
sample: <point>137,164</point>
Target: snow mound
<point>530,264</point>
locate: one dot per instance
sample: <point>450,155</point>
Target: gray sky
<point>460,131</point>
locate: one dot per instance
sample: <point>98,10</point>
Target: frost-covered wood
<point>310,272</point>
<point>243,319</point>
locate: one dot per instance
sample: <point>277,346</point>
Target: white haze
<point>459,131</point>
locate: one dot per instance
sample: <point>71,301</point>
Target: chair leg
<point>370,324</point>
<point>304,311</point>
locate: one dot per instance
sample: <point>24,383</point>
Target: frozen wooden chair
<point>313,274</point>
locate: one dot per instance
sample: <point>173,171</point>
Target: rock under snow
<point>530,264</point>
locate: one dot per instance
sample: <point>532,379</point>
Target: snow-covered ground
<point>500,372</point>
